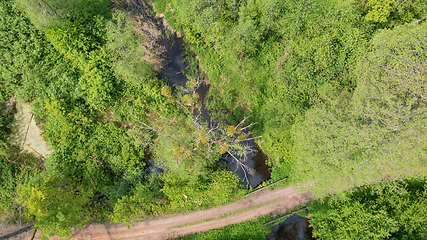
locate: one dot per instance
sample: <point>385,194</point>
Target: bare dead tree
<point>206,136</point>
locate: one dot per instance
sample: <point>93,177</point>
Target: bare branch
<point>241,122</point>
<point>249,139</point>
<point>249,125</point>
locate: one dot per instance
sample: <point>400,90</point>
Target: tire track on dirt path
<point>277,201</point>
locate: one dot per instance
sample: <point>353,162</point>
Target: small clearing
<point>25,132</point>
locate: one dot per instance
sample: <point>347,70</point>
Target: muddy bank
<point>173,69</point>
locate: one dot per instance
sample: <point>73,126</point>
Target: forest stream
<point>295,227</point>
<point>173,72</point>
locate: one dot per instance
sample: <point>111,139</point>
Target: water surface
<point>294,227</point>
<point>173,71</point>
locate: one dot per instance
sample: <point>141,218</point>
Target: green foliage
<point>248,230</point>
<point>341,107</point>
<point>8,179</point>
<point>21,48</point>
<point>407,11</point>
<point>271,57</point>
<point>5,124</point>
<point>175,153</point>
<point>353,140</point>
<point>30,67</point>
<point>279,58</point>
<point>80,146</point>
<point>384,211</point>
<point>140,88</point>
<point>65,69</point>
<point>390,11</point>
<point>144,199</point>
<point>187,147</point>
<point>79,41</point>
<point>138,100</point>
<point>219,107</point>
<point>7,184</point>
<point>218,190</point>
<point>53,13</point>
<point>123,47</point>
<point>71,123</point>
<point>15,169</point>
<point>235,116</point>
<point>124,156</point>
<point>56,204</point>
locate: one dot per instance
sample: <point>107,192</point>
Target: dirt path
<point>277,201</point>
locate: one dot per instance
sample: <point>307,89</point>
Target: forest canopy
<point>377,131</point>
<point>333,91</point>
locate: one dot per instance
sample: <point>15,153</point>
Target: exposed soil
<point>168,47</point>
<point>277,201</point>
<point>31,141</point>
<point>160,44</point>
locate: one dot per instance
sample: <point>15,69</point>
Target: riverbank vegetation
<point>337,89</point>
<point>277,60</point>
<point>390,210</point>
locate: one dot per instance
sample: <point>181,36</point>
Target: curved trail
<point>277,201</point>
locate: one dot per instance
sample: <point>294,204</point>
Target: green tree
<point>383,211</point>
<point>188,147</point>
<point>217,190</point>
<point>81,43</point>
<point>16,168</point>
<point>56,204</point>
<point>22,47</point>
<point>127,56</point>
<point>50,13</point>
<point>139,202</point>
<point>387,11</point>
<point>377,133</point>
<point>379,10</point>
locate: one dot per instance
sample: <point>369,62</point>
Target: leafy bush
<point>55,204</point>
<point>384,211</point>
<point>219,189</point>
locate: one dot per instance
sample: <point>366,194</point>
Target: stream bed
<point>173,71</point>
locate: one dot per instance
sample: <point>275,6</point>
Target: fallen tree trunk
<point>287,215</point>
<point>421,19</point>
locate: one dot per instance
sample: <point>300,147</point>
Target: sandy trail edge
<point>285,199</point>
